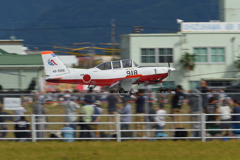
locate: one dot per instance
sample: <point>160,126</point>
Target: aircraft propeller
<point>169,68</point>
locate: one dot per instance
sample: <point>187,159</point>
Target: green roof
<point>4,52</point>
<point>11,59</point>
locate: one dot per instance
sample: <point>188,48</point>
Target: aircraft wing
<point>127,82</point>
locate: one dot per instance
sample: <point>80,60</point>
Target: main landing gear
<point>122,92</point>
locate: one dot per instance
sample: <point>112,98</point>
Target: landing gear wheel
<point>121,90</point>
<point>129,94</point>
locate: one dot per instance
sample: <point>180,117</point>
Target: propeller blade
<point>169,61</point>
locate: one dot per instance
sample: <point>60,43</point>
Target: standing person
<point>177,101</point>
<point>88,110</point>
<point>2,120</point>
<point>204,89</point>
<point>40,109</point>
<point>71,109</point>
<point>126,109</point>
<point>95,118</point>
<point>160,118</point>
<point>20,112</point>
<point>236,118</point>
<point>98,105</point>
<point>193,102</point>
<point>226,111</point>
<point>112,99</point>
<point>22,124</point>
<point>140,101</point>
<point>212,109</point>
<point>152,111</point>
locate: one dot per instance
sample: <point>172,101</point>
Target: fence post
<point>33,128</point>
<point>118,128</point>
<point>203,126</point>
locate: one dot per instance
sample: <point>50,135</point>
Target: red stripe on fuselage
<point>97,82</point>
<point>108,82</point>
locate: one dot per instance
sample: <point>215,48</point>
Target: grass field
<point>130,150</point>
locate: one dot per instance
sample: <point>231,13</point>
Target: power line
<point>54,28</point>
<point>97,26</point>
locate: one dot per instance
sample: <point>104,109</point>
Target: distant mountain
<point>78,21</point>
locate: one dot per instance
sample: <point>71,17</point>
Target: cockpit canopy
<point>127,63</point>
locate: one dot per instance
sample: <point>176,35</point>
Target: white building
<point>12,46</point>
<point>215,45</point>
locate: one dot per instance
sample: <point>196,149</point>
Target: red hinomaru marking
<point>86,78</point>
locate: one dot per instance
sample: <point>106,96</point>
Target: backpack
<point>96,111</point>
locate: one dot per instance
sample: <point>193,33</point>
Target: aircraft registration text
<point>59,70</point>
<point>131,73</point>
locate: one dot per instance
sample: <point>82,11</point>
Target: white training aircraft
<point>122,73</point>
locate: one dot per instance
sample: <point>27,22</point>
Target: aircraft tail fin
<point>52,65</point>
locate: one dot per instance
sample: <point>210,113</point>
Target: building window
<point>217,55</point>
<point>159,55</point>
<point>210,54</point>
<point>194,84</point>
<point>219,84</point>
<point>148,55</point>
<point>201,54</point>
<point>165,55</point>
<point>168,84</point>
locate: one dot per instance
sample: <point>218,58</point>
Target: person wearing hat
<point>71,109</point>
<point>126,109</point>
<point>177,100</point>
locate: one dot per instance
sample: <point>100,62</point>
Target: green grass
<point>130,150</point>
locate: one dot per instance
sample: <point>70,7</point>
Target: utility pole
<point>91,53</point>
<point>113,26</point>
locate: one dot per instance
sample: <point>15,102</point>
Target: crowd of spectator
<point>84,107</point>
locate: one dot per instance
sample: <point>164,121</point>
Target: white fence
<point>116,134</point>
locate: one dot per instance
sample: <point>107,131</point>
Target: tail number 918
<point>132,73</point>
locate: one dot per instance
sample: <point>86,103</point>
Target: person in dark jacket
<point>236,118</point>
<point>22,124</point>
<point>177,101</point>
<point>140,109</point>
